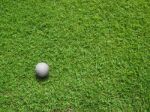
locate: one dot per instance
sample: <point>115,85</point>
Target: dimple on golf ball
<point>42,69</point>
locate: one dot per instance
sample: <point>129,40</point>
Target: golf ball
<point>42,69</point>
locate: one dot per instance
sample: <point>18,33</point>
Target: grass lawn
<point>98,52</point>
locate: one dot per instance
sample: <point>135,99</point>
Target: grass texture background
<point>98,52</point>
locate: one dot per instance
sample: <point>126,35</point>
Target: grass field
<point>98,51</point>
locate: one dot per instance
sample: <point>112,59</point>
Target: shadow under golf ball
<point>39,78</point>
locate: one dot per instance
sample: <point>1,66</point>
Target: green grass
<point>98,51</point>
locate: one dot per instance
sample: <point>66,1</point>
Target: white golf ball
<point>42,69</point>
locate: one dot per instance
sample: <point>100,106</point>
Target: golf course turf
<point>98,52</point>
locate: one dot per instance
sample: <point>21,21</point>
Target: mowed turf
<point>98,52</point>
